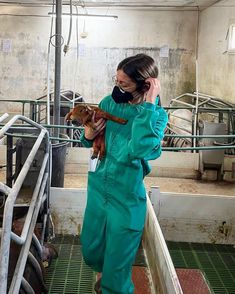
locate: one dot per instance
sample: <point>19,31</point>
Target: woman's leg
<point>93,240</point>
<point>121,247</point>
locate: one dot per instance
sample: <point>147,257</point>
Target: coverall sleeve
<point>147,133</point>
<point>86,143</point>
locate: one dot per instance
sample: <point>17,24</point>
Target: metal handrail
<point>3,117</point>
<point>163,148</point>
<point>33,210</point>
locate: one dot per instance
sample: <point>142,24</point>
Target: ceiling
<point>160,4</point>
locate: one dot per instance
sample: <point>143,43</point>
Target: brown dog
<point>83,114</point>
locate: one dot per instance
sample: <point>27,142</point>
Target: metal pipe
<point>198,148</point>
<point>4,188</point>
<point>21,240</point>
<point>23,118</point>
<point>27,287</point>
<point>20,266</point>
<point>184,103</point>
<point>3,117</point>
<point>9,172</point>
<point>8,211</point>
<point>34,262</point>
<point>58,29</point>
<point>166,135</point>
<point>37,244</point>
<point>199,136</point>
<point>20,127</point>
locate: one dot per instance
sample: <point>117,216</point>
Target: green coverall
<point>116,203</point>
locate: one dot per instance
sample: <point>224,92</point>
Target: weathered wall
<point>216,66</point>
<point>23,70</point>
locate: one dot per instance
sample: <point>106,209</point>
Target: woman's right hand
<point>153,91</point>
<point>92,132</point>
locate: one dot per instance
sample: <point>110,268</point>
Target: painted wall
<point>23,71</point>
<point>216,66</point>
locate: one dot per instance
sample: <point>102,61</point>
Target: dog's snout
<point>75,122</point>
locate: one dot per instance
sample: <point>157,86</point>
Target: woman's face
<point>123,81</point>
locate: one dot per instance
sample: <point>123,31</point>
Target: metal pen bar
<point>183,103</point>
<point>8,211</point>
<point>166,135</point>
<point>24,233</point>
<point>19,127</point>
<point>4,188</point>
<point>20,266</point>
<point>198,148</point>
<point>14,119</point>
<point>201,109</point>
<point>27,287</point>
<point>200,136</point>
<point>3,117</point>
<point>34,199</point>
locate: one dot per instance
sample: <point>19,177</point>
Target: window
<point>231,39</point>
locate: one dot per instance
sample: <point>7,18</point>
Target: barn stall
<point>193,44</point>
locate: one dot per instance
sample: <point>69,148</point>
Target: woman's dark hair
<point>139,67</point>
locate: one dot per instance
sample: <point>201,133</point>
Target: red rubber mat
<point>192,281</point>
<point>141,280</point>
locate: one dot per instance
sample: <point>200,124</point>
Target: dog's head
<point>80,114</point>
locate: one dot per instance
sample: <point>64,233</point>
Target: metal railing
<point>40,196</point>
<point>209,104</point>
<point>212,147</point>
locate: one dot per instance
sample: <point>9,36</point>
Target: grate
<point>68,274</point>
<point>216,261</point>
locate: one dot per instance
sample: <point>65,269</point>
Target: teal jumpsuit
<point>116,196</point>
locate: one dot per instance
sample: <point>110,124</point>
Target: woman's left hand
<point>154,90</point>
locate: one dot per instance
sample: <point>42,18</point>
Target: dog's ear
<point>68,116</point>
<point>89,110</point>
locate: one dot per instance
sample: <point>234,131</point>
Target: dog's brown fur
<point>83,114</point>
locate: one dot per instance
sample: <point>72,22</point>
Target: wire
<point>66,46</point>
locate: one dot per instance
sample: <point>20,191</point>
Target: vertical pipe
<point>57,66</point>
<point>197,83</point>
<point>9,173</point>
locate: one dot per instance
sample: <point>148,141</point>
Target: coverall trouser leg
<point>110,248</point>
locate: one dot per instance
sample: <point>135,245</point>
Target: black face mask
<point>120,96</point>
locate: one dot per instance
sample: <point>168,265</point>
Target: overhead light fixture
<point>80,15</point>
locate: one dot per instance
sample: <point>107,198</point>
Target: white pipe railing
<point>27,233</point>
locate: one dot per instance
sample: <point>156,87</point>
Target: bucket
<point>58,162</point>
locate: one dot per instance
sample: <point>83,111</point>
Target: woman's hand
<point>91,133</point>
<point>154,90</point>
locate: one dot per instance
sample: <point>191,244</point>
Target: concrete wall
<point>23,69</point>
<point>202,218</point>
<point>216,66</point>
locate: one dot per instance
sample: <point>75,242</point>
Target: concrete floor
<point>166,185</point>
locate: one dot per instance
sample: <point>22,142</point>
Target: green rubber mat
<point>68,274</point>
<point>216,261</point>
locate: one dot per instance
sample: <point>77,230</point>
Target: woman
<point>116,204</point>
